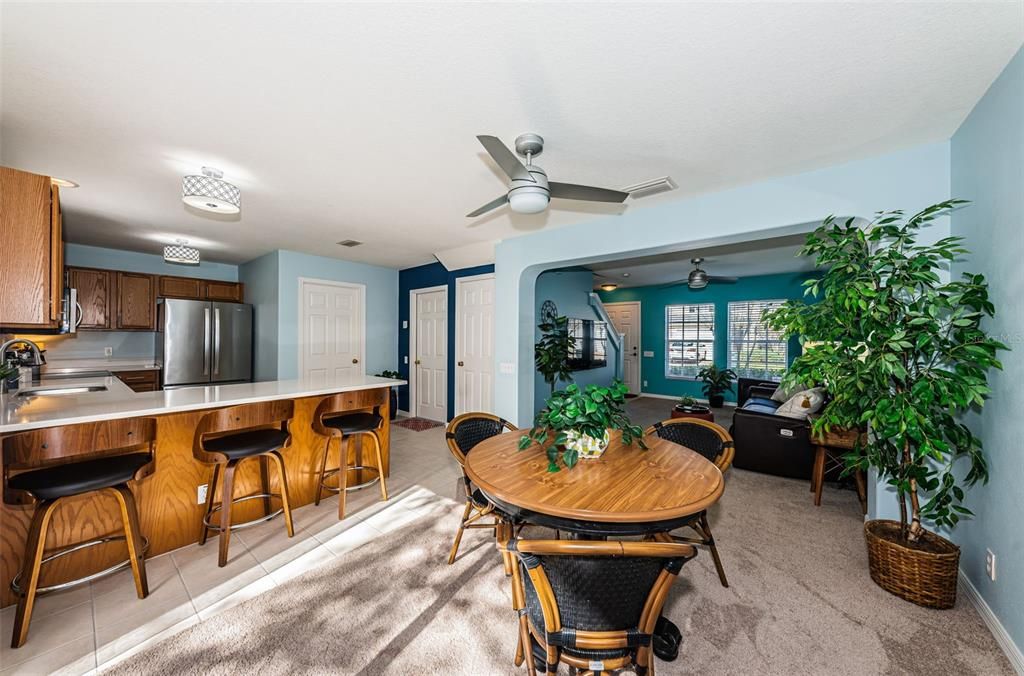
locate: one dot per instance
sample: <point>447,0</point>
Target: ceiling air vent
<point>350,242</point>
<point>652,187</point>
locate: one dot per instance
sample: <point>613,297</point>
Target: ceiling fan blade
<point>675,283</point>
<point>493,204</point>
<point>505,158</point>
<point>571,191</point>
<point>727,280</point>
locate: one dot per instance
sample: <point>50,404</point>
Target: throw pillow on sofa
<point>783,395</point>
<point>803,404</point>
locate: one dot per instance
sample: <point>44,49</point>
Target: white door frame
<point>458,334</point>
<point>412,346</point>
<point>639,342</point>
<point>361,289</point>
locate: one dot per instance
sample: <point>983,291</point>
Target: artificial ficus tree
<point>551,352</point>
<point>903,355</point>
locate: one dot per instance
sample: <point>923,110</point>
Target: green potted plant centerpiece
<point>716,383</point>
<point>903,355</point>
<point>690,405</point>
<point>575,423</point>
<point>393,390</point>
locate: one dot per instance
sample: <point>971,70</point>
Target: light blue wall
<point>653,300</point>
<point>125,344</point>
<point>261,280</point>
<point>133,261</point>
<point>988,168</point>
<point>381,307</point>
<point>570,290</point>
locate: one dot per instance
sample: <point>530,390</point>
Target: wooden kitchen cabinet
<point>31,275</point>
<point>180,287</point>
<point>140,381</point>
<point>230,292</point>
<point>136,301</point>
<point>95,294</point>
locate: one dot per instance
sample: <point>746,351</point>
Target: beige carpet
<point>801,602</point>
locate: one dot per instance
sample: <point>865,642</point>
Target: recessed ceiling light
<point>63,182</point>
<point>209,193</point>
<point>625,274</point>
<point>609,287</point>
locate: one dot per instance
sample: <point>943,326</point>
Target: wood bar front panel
<point>168,512</point>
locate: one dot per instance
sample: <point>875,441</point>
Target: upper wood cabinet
<point>95,296</point>
<point>136,301</point>
<point>230,292</point>
<point>31,275</point>
<point>180,287</point>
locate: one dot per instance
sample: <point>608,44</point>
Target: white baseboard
<point>677,398</point>
<point>1004,640</point>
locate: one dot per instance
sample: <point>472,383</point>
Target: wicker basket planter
<point>927,578</point>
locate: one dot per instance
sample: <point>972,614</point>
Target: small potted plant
<point>551,352</point>
<point>690,405</point>
<point>575,423</point>
<point>716,383</point>
<point>393,390</point>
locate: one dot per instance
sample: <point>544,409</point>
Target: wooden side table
<point>829,449</point>
<point>709,415</point>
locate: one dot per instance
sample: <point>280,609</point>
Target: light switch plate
<point>405,323</point>
<point>108,351</point>
<point>507,368</point>
<point>405,360</point>
<point>648,353</point>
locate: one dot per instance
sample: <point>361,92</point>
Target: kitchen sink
<point>61,391</point>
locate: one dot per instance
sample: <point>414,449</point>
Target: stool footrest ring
<point>16,586</point>
<point>244,524</point>
<point>353,487</point>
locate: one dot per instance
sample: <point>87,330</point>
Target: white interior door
<point>626,318</point>
<point>332,331</point>
<point>431,355</point>
<point>474,344</point>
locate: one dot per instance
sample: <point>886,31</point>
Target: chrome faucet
<point>37,356</point>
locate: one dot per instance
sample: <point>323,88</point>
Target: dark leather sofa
<point>765,442</point>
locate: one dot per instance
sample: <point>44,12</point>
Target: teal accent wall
<point>988,169</point>
<point>570,290</point>
<point>261,279</point>
<point>653,300</point>
<point>125,344</point>
<point>381,307</point>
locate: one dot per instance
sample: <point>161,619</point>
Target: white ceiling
<point>746,259</point>
<point>357,121</point>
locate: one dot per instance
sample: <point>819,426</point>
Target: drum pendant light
<point>180,254</point>
<point>209,193</point>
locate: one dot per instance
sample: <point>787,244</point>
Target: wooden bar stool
<point>225,438</point>
<point>331,422</point>
<point>45,466</point>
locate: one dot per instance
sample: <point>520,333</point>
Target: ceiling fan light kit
<point>531,191</point>
<point>209,193</point>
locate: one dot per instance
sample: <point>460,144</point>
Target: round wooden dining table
<point>627,491</point>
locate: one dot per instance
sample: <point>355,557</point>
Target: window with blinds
<point>756,351</point>
<point>689,339</point>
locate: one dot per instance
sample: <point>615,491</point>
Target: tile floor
<point>85,629</point>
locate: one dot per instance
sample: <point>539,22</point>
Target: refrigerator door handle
<point>216,341</point>
<point>206,341</point>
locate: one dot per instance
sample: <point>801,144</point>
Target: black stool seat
<point>245,444</point>
<point>72,478</point>
<point>353,423</point>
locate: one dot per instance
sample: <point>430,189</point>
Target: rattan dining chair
<point>463,434</point>
<point>714,443</point>
<point>590,604</point>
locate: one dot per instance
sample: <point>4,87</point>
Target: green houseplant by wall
<point>903,354</point>
<point>716,383</point>
<point>571,413</point>
<point>551,352</point>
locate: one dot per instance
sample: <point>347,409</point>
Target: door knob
<point>354,360</point>
<point>417,362</point>
<point>461,364</point>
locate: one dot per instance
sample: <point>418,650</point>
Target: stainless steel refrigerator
<point>201,342</point>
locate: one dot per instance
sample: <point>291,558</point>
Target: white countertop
<point>71,365</point>
<point>18,413</point>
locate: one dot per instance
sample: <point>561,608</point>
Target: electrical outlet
<point>990,564</point>
<point>108,351</point>
<point>645,383</point>
<point>201,494</point>
<point>405,324</point>
<point>405,360</point>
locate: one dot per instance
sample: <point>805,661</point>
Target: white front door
<point>474,344</point>
<point>430,354</point>
<point>626,318</point>
<point>331,330</point>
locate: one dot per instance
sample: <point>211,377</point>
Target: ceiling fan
<point>531,191</point>
<point>698,278</point>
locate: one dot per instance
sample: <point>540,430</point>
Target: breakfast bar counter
<point>170,512</point>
